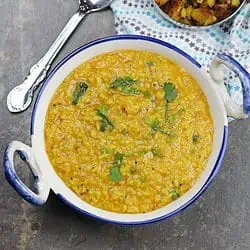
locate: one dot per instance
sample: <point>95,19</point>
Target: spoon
<point>20,98</point>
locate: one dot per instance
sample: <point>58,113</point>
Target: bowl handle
<point>27,156</point>
<point>233,110</point>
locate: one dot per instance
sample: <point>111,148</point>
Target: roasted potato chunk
<point>203,16</point>
<point>211,3</point>
<point>174,8</point>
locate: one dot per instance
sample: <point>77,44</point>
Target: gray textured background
<point>218,220</point>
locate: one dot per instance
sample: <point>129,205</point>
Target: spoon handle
<point>20,98</point>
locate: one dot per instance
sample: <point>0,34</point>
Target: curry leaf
<point>80,89</point>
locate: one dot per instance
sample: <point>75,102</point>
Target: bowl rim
<point>96,42</point>
<point>193,27</point>
<point>215,167</point>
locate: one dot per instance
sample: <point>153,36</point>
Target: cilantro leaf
<point>170,92</point>
<point>156,152</point>
<point>155,126</point>
<point>174,194</point>
<point>118,159</point>
<point>104,109</point>
<point>170,95</point>
<point>115,173</point>
<point>125,85</point>
<point>105,123</point>
<point>80,89</point>
<point>147,94</point>
<point>172,120</point>
<point>150,64</point>
<point>195,138</point>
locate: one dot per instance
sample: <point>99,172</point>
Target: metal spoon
<point>20,98</point>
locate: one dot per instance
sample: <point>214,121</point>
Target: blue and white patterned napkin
<point>233,37</point>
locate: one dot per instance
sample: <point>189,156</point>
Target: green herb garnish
<point>147,94</point>
<point>155,127</point>
<point>124,131</point>
<point>80,89</point>
<point>143,152</point>
<point>104,109</point>
<point>115,173</point>
<point>105,150</point>
<point>105,123</point>
<point>174,194</point>
<point>195,138</point>
<point>170,92</point>
<point>175,116</point>
<point>178,113</point>
<point>170,95</point>
<point>156,152</point>
<point>150,64</point>
<point>125,85</point>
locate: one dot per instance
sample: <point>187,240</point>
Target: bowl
<point>182,25</point>
<point>46,178</point>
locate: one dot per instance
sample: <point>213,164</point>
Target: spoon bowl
<point>95,5</point>
<point>20,98</point>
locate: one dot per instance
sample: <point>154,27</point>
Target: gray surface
<point>219,220</point>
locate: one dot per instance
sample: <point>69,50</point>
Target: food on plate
<point>198,12</point>
<point>129,131</point>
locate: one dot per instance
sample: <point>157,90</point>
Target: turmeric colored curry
<point>129,131</point>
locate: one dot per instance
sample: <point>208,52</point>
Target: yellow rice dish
<point>129,131</point>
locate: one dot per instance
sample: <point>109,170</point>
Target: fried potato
<point>203,16</point>
<point>174,8</point>
<point>198,12</point>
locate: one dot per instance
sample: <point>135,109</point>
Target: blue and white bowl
<point>219,100</point>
